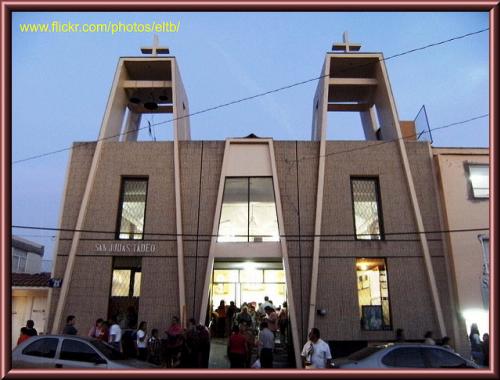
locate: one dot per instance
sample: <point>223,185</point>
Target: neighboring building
<point>336,228</point>
<point>30,286</point>
<point>463,177</point>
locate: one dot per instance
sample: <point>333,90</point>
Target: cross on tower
<point>156,48</point>
<point>346,46</point>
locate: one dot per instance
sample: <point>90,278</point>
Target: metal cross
<point>346,46</point>
<point>156,48</point>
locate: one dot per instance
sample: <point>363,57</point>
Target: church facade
<point>340,230</point>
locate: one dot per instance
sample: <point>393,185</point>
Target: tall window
<point>248,211</point>
<point>485,278</point>
<point>132,208</point>
<point>479,178</point>
<point>366,208</point>
<point>373,294</point>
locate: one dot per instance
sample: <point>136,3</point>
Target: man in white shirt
<point>262,306</point>
<point>316,352</point>
<point>115,334</point>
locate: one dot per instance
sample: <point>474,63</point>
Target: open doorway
<point>241,287</point>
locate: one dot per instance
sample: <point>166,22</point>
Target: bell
<point>163,97</point>
<point>135,100</point>
<point>151,106</point>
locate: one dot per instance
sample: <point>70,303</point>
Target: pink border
<point>5,179</point>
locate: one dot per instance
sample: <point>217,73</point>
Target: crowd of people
<point>250,328</point>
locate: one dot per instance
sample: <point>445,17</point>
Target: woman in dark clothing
<point>486,350</point>
<point>221,319</point>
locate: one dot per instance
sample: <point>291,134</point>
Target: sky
<point>61,83</point>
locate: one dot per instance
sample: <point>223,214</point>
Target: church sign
<point>125,247</point>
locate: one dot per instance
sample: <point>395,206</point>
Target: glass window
<point>78,351</point>
<point>479,178</point>
<point>406,357</point>
<point>45,348</point>
<point>137,284</point>
<point>233,225</point>
<point>125,280</point>
<point>274,275</point>
<point>121,283</point>
<point>485,278</point>
<point>367,218</point>
<point>225,275</point>
<point>248,211</point>
<point>373,294</point>
<point>437,358</point>
<point>19,259</point>
<point>263,222</point>
<point>251,275</point>
<point>132,208</point>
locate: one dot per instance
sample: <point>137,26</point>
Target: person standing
<point>236,349</point>
<point>142,341</point>
<point>115,334</point>
<point>204,339</point>
<point>486,349</point>
<point>231,312</point>
<point>429,339</point>
<point>95,330</point>
<point>476,345</point>
<point>272,319</point>
<point>70,329</point>
<point>316,352</point>
<point>445,343</point>
<point>283,324</point>
<point>262,306</point>
<point>221,319</point>
<point>23,336</point>
<point>104,332</point>
<point>30,326</point>
<point>400,336</point>
<point>266,345</point>
<point>154,348</point>
<point>247,332</point>
<point>175,342</point>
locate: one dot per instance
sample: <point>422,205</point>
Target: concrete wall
<point>463,211</point>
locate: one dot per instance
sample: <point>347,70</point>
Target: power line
<point>255,96</point>
<point>389,141</point>
<point>284,236</point>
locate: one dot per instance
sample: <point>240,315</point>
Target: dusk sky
<point>61,83</point>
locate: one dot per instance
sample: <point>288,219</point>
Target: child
<point>23,336</point>
<point>154,346</point>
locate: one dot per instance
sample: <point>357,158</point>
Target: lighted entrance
<point>247,282</point>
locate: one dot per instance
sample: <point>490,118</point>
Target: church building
<point>340,230</point>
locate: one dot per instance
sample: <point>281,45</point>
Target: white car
<point>70,351</point>
<point>404,355</point>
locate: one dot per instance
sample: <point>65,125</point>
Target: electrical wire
<point>281,236</point>
<point>42,155</point>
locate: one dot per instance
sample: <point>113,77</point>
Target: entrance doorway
<point>247,282</point>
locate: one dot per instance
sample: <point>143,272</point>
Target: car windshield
<point>364,353</point>
<point>110,352</point>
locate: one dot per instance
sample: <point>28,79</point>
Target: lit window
<point>366,205</point>
<point>126,283</point>
<point>248,211</point>
<point>479,179</point>
<point>132,208</point>
<point>373,294</point>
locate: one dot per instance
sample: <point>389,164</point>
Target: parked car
<point>404,355</point>
<point>69,351</point>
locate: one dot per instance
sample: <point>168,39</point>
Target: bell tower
<point>145,85</point>
<point>353,81</point>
